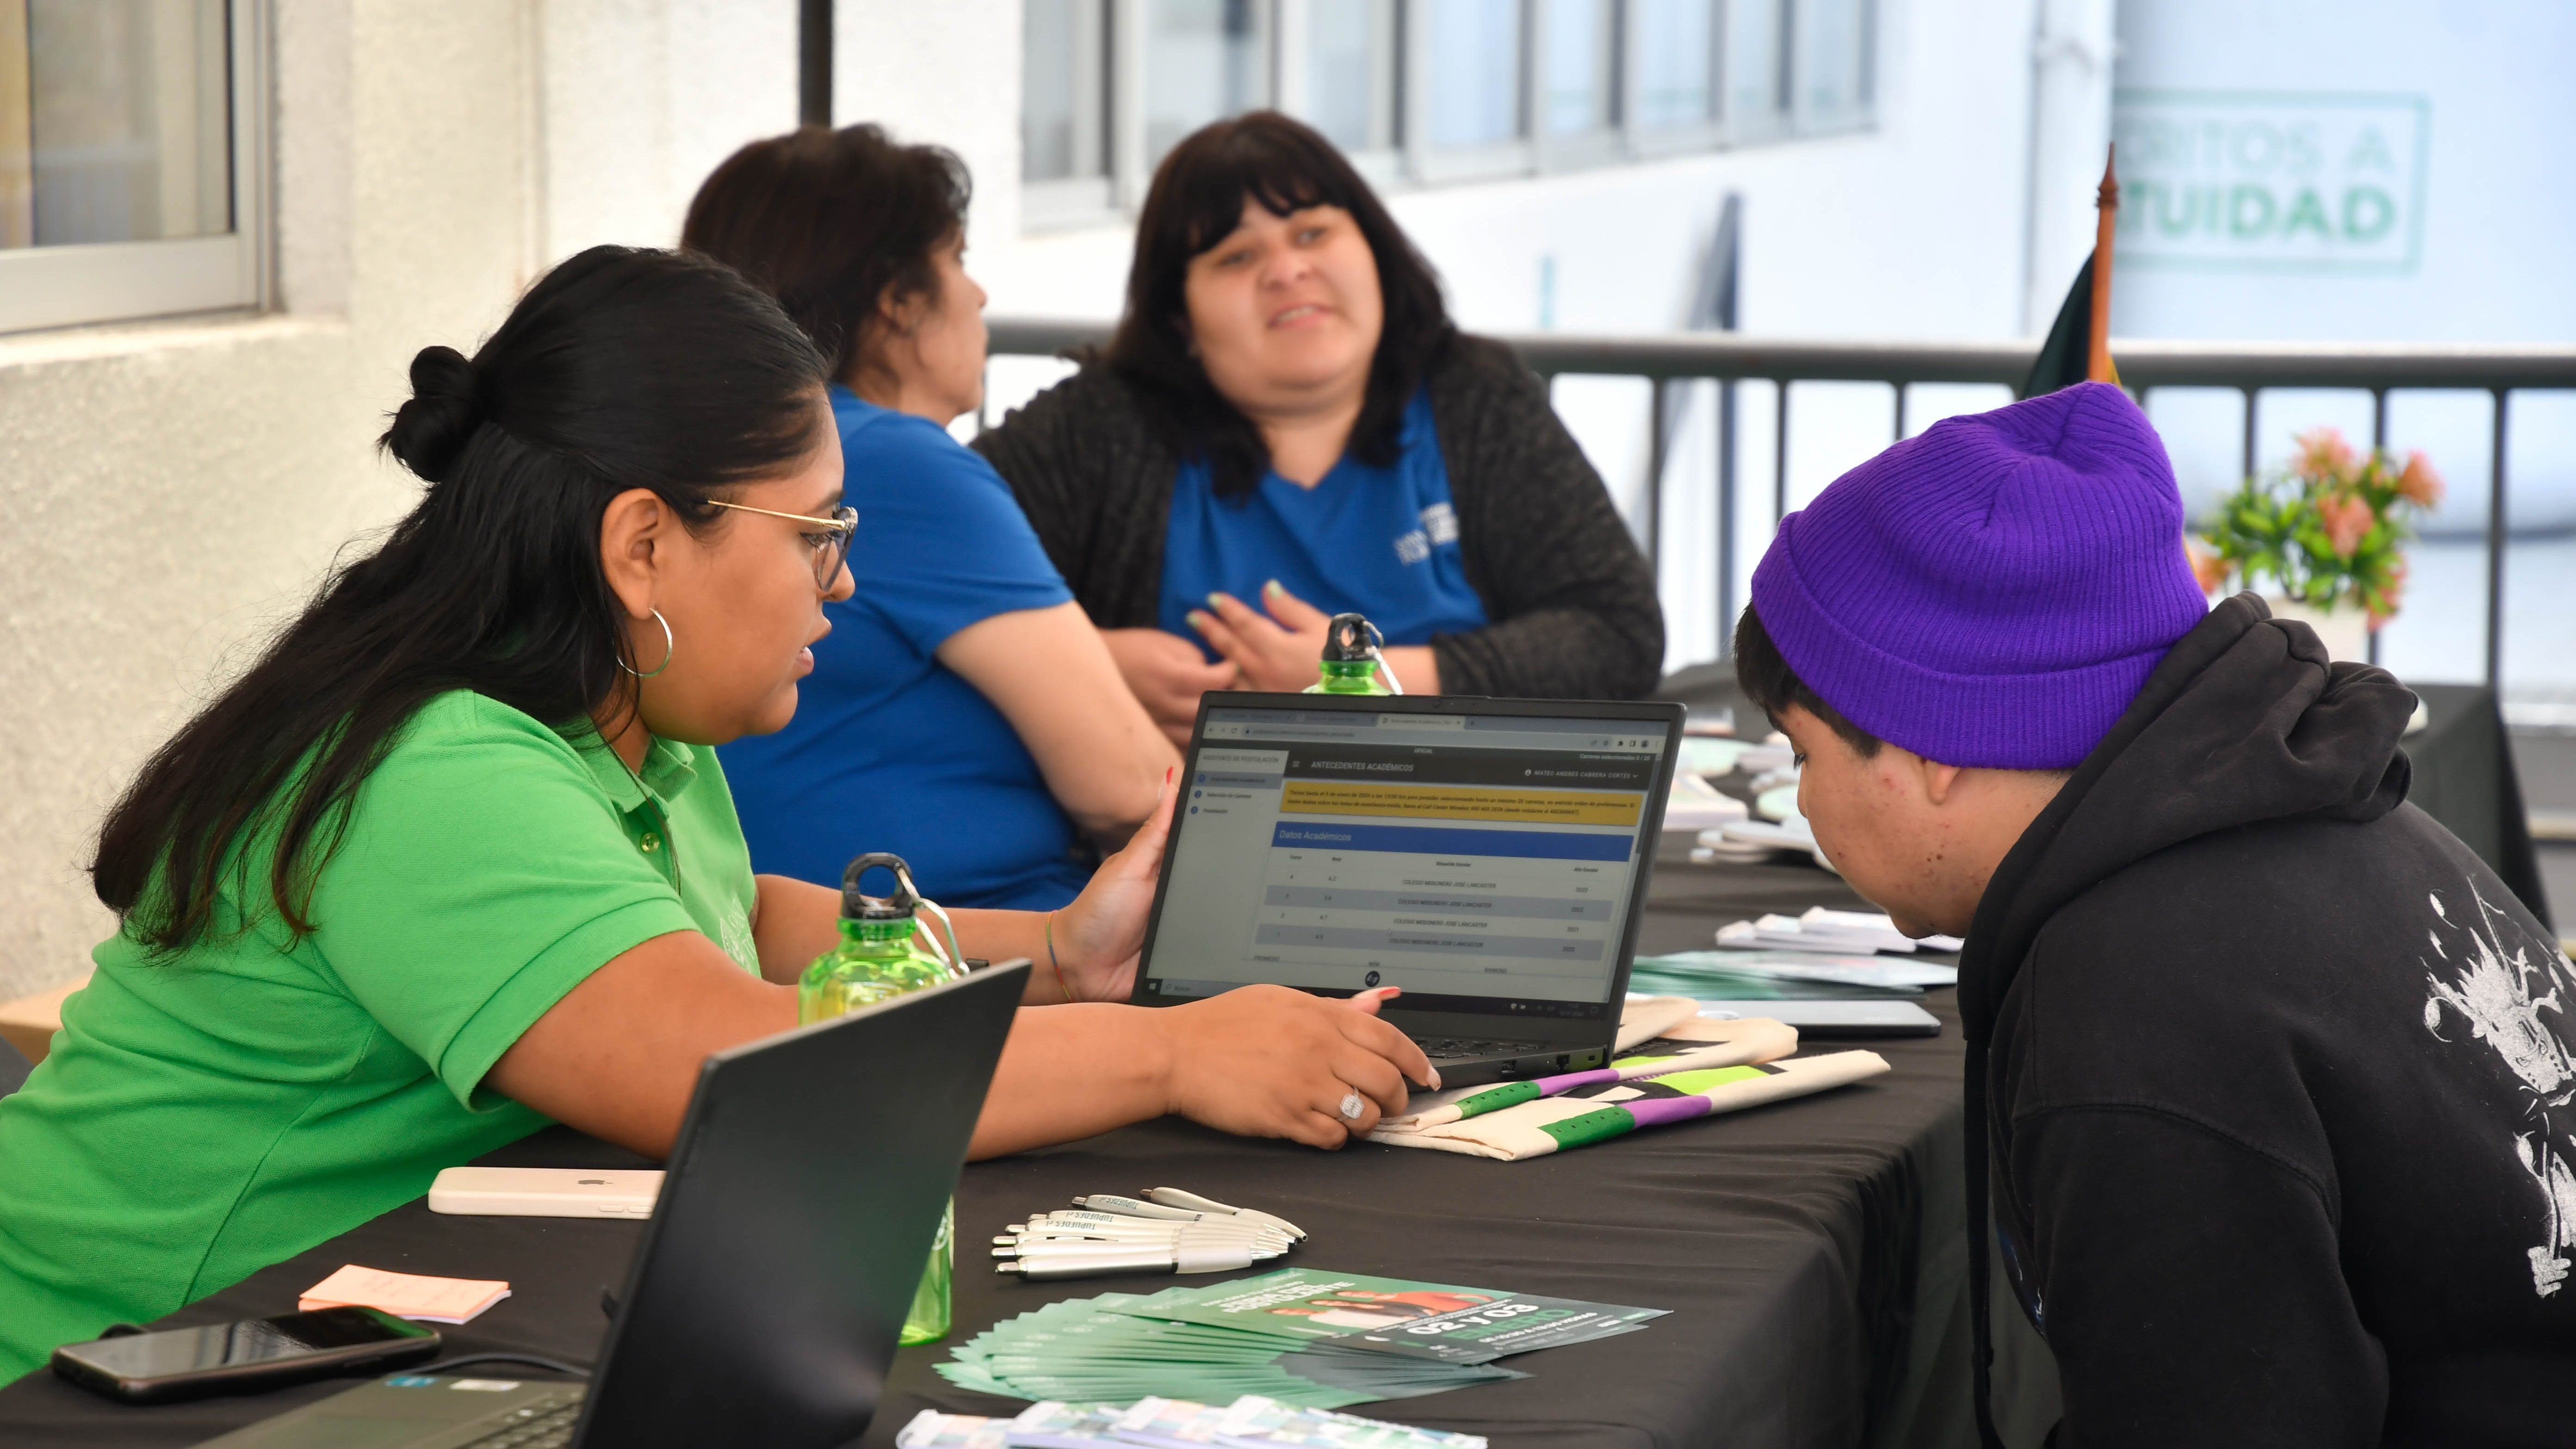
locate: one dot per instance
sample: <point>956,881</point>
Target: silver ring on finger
<point>1353,1104</point>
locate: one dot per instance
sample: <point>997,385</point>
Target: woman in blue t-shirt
<point>963,712</point>
<point>1286,426</point>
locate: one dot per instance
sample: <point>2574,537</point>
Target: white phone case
<point>545,1192</point>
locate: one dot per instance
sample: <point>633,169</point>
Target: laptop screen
<point>1482,861</point>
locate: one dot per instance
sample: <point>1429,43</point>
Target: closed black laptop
<point>1489,856</point>
<point>802,1200</point>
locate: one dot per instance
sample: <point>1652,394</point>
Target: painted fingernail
<point>1216,601</point>
<point>1198,619</point>
<point>1272,589</point>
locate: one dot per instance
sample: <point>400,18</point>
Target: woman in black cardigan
<point>1285,387</point>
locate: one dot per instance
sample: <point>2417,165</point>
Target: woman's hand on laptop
<point>1271,1061</point>
<point>1097,938</point>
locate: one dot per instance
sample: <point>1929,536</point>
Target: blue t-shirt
<point>890,750</point>
<point>1381,541</point>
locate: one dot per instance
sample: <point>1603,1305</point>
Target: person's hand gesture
<point>1098,937</point>
<point>1281,651</point>
<point>1269,1061</point>
<point>1168,674</point>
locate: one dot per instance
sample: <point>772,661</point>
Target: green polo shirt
<point>201,1118</point>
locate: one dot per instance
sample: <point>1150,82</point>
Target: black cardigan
<point>1571,599</point>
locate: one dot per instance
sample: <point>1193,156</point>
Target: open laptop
<point>1489,856</point>
<point>802,1199</point>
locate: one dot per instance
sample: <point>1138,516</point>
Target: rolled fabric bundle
<point>1599,1112</point>
<point>1740,1043</point>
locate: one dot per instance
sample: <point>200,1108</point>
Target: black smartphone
<point>243,1357</point>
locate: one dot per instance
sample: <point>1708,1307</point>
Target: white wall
<point>947,73</point>
<point>642,100</point>
<point>175,489</point>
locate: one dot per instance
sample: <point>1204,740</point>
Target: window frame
<point>1412,161</point>
<point>1710,132</point>
<point>100,282</point>
<point>1603,145</point>
<point>1084,197</point>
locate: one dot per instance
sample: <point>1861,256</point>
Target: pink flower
<point>2323,454</point>
<point>2419,483</point>
<point>2348,519</point>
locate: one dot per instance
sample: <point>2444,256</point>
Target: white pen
<point>1148,1260</point>
<point>1129,1250</point>
<point>1101,1202</point>
<point>1176,1198</point>
<point>1124,1241</point>
<point>1143,1227</point>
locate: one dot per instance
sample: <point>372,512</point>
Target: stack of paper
<point>404,1295</point>
<point>1829,933</point>
<point>1250,1422</point>
<point>1094,1350</point>
<point>1303,1336</point>
<point>1695,804</point>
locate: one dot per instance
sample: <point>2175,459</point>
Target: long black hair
<point>834,224</point>
<point>1197,201</point>
<point>620,369</point>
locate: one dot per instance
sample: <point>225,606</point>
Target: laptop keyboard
<point>544,1424</point>
<point>1450,1048</point>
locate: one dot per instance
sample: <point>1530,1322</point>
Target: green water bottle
<point>875,961</point>
<point>1352,661</point>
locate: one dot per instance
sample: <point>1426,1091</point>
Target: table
<point>1812,1253</point>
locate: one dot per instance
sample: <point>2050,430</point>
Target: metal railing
<point>2249,368</point>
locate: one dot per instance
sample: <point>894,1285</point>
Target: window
<point>1350,73</point>
<point>1064,105</point>
<point>1204,60</point>
<point>1472,75</point>
<point>1757,56</point>
<point>1426,91</point>
<point>129,169</point>
<point>1676,45</point>
<point>1833,64</point>
<point>1578,55</point>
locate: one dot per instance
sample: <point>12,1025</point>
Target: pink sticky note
<point>404,1295</point>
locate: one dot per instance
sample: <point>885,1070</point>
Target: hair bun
<point>430,432</point>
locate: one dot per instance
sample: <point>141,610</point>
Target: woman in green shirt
<point>455,857</point>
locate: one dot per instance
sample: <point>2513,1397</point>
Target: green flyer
<point>1439,1321</point>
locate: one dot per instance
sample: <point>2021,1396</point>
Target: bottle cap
<point>1351,639</point>
<point>856,906</point>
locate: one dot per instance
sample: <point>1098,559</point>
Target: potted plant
<point>2322,538</point>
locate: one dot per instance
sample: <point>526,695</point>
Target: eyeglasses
<point>830,537</point>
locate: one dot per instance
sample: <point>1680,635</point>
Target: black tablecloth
<point>1811,1253</point>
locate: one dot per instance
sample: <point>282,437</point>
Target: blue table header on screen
<point>890,750</point>
<point>1380,541</point>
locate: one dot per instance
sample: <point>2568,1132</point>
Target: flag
<point>2064,357</point>
<point>2078,348</point>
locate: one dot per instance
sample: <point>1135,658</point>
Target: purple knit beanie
<point>1993,591</point>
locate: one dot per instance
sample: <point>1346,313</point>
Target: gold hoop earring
<point>669,647</point>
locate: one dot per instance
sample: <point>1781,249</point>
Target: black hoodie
<point>2275,1076</point>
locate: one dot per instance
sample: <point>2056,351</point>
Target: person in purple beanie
<point>2271,1082</point>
